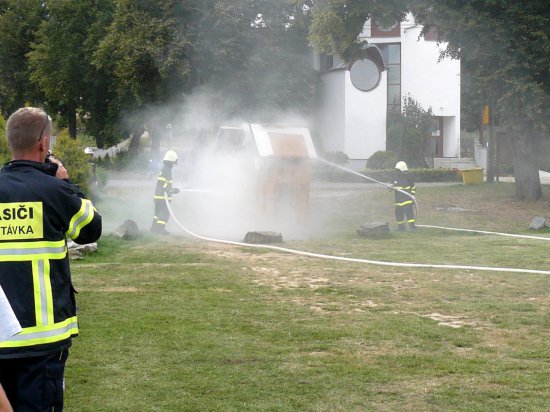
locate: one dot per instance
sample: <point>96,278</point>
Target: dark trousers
<point>35,384</point>
<point>401,212</point>
<point>161,215</point>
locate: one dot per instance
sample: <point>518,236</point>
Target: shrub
<point>338,158</point>
<point>71,153</point>
<point>407,130</point>
<point>382,160</point>
<point>387,175</point>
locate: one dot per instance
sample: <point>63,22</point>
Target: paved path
<point>544,178</point>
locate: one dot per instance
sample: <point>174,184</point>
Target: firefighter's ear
<point>44,146</point>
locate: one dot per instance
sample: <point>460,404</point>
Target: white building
<point>354,121</point>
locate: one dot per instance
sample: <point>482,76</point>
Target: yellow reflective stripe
<point>400,222</point>
<point>25,251</point>
<point>161,197</point>
<point>48,292</point>
<point>160,222</point>
<point>39,335</point>
<point>43,299</point>
<point>81,219</point>
<point>411,220</point>
<point>162,179</point>
<point>408,202</point>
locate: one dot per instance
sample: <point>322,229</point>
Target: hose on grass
<point>348,259</point>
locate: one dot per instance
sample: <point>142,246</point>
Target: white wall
<point>432,83</point>
<point>365,119</point>
<point>331,110</point>
<point>354,122</point>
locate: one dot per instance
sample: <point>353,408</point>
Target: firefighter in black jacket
<point>164,185</point>
<point>404,211</point>
<point>39,209</point>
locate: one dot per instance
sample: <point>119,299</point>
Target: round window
<point>384,26</point>
<point>365,75</point>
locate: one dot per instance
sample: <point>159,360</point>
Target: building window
<point>326,62</point>
<point>379,29</point>
<point>391,53</point>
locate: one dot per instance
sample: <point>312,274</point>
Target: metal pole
<point>490,151</point>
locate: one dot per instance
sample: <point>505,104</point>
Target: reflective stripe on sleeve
<point>81,219</point>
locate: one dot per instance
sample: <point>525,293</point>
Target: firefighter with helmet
<point>404,211</point>
<point>164,188</point>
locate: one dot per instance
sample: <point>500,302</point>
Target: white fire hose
<point>346,259</point>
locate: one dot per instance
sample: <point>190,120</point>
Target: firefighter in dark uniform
<point>404,211</point>
<point>164,185</point>
<point>39,209</point>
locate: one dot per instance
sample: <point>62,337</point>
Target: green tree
<point>407,131</point>
<point>19,22</point>
<point>504,48</point>
<point>337,23</point>
<point>59,62</point>
<point>145,50</point>
<point>253,53</point>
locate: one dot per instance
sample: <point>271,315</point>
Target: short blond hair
<point>26,127</point>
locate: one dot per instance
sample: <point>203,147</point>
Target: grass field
<point>177,324</point>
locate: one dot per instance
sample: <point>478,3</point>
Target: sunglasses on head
<point>48,119</point>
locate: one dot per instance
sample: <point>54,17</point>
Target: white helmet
<point>89,150</point>
<point>401,166</point>
<point>171,156</point>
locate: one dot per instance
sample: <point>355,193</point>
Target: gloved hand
<point>174,191</point>
<point>390,187</point>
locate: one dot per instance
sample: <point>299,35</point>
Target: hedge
<point>386,175</point>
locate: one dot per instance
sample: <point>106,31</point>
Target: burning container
<point>280,157</point>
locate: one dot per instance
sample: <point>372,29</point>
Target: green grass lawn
<point>176,324</point>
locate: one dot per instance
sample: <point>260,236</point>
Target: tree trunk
<point>526,171</point>
<point>136,139</point>
<point>72,122</point>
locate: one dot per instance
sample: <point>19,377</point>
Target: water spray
<point>386,185</point>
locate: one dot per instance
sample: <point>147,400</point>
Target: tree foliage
<point>19,20</point>
<point>407,131</point>
<point>504,48</point>
<point>337,23</point>
<point>110,60</point>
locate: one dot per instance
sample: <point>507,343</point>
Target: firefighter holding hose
<point>164,188</point>
<point>404,211</point>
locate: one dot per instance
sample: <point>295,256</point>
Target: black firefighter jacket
<point>37,213</point>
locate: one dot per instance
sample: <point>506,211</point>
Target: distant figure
<point>164,186</point>
<point>403,203</point>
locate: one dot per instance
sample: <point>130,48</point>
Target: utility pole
<point>490,146</point>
